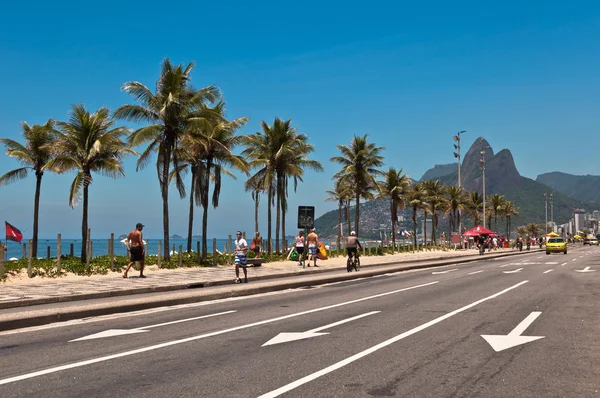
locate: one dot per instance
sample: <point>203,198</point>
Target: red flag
<point>13,233</point>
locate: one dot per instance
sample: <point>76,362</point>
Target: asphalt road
<point>409,334</point>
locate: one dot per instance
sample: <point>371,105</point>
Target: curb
<point>196,285</point>
<point>39,316</point>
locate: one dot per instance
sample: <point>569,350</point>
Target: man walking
<point>312,240</point>
<point>136,249</point>
<point>241,247</point>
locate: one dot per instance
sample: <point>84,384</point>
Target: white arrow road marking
<point>287,337</point>
<point>512,272</point>
<point>550,270</point>
<point>119,332</point>
<point>475,272</point>
<point>586,269</point>
<point>443,272</point>
<point>306,379</point>
<point>514,338</point>
<point>206,335</point>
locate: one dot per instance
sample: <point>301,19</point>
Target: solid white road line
<point>545,272</point>
<point>202,336</point>
<point>475,272</point>
<point>349,360</point>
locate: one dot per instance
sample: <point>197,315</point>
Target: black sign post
<point>306,217</point>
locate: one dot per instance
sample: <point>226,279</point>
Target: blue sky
<point>524,75</point>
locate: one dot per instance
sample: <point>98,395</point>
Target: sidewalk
<point>28,302</point>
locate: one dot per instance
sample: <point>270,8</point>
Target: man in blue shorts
<point>241,247</point>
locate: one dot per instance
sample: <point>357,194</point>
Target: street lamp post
<point>457,156</point>
<point>482,161</point>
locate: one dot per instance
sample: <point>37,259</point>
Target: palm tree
<point>455,203</point>
<point>436,192</point>
<point>497,202</point>
<point>521,230</point>
<point>508,210</point>
<point>171,111</point>
<point>359,163</point>
<point>206,151</point>
<point>279,152</point>
<point>474,207</point>
<point>394,186</point>
<point>533,229</point>
<point>89,143</point>
<point>256,187</point>
<point>415,197</point>
<point>216,155</point>
<point>34,155</point>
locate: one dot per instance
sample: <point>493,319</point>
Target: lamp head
<point>455,154</point>
<point>455,138</point>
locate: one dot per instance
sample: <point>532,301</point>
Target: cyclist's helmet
<point>352,233</point>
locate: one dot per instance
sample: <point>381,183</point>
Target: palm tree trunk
<point>164,188</point>
<point>356,213</point>
<point>348,216</point>
<point>424,227</point>
<point>269,220</point>
<point>191,213</point>
<point>206,187</point>
<point>256,211</point>
<point>277,219</point>
<point>84,223</point>
<point>414,217</point>
<point>394,216</point>
<point>36,213</point>
<point>339,238</point>
<point>433,227</point>
<point>283,211</point>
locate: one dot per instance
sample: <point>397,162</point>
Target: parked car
<point>556,245</point>
<point>586,241</point>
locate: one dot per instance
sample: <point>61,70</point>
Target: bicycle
<point>353,262</point>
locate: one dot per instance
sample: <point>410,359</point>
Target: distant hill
<point>501,177</point>
<point>440,170</point>
<point>175,236</point>
<point>585,188</point>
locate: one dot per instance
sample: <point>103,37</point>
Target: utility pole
<point>546,205</point>
<point>552,210</point>
<point>482,162</point>
<point>457,156</point>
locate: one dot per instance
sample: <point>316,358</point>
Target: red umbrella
<point>478,230</point>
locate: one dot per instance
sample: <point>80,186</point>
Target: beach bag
<point>294,256</point>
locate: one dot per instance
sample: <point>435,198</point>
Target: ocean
<point>100,247</point>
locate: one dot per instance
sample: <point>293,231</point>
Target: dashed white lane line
<point>475,272</point>
<point>540,257</point>
<point>506,265</point>
<point>223,331</point>
<point>550,270</point>
<point>563,264</point>
<point>551,262</point>
<point>574,259</point>
<point>344,362</point>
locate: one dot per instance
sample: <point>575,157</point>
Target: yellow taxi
<point>593,241</point>
<point>556,245</point>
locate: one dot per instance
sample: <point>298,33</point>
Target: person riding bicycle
<point>352,245</point>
